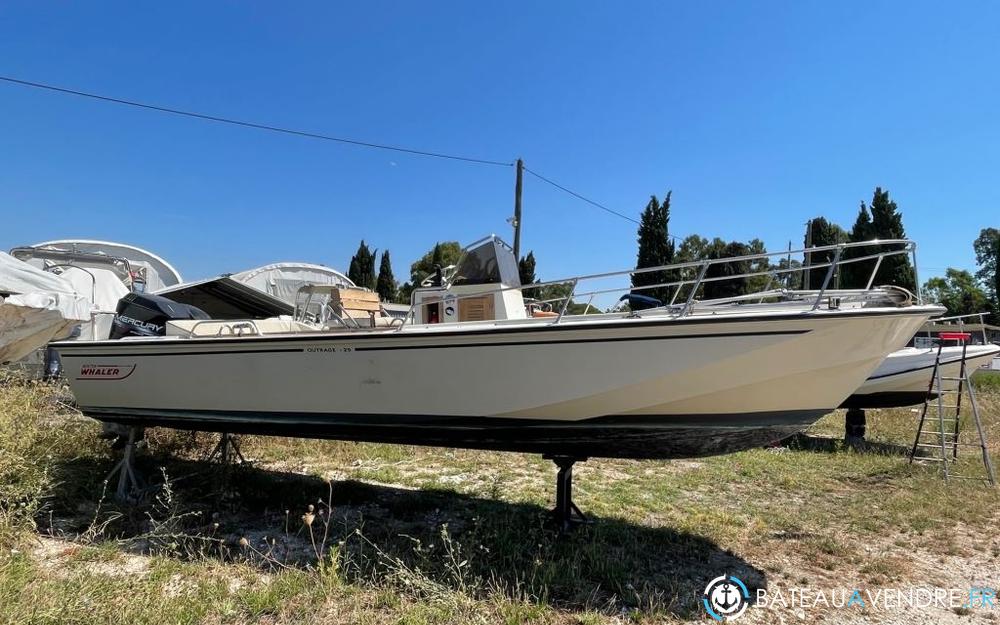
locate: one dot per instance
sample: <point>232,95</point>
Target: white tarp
<point>103,287</point>
<point>157,272</point>
<point>283,280</point>
<point>35,308</point>
<point>20,277</point>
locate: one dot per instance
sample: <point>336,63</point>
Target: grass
<point>423,535</point>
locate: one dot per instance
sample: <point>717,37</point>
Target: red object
<point>954,336</point>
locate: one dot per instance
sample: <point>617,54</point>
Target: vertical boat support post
<point>130,486</point>
<point>566,514</point>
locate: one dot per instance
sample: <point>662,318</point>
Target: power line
<point>307,134</point>
<point>578,196</point>
<point>587,200</point>
<point>236,122</point>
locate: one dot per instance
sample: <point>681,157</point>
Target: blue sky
<point>757,115</point>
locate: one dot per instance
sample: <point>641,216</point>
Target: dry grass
<point>425,535</point>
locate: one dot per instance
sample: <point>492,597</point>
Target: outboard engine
<point>143,314</point>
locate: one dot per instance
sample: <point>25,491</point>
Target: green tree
<point>759,265</point>
<point>443,254</point>
<point>526,269</point>
<point>957,291</point>
<point>790,279</point>
<point>385,285</point>
<point>855,275</point>
<point>820,233</point>
<point>887,223</point>
<point>362,268</point>
<point>655,248</point>
<point>727,286</point>
<point>692,248</point>
<point>987,247</point>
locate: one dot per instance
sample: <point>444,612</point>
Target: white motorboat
<point>35,308</point>
<point>473,366</point>
<point>904,378</point>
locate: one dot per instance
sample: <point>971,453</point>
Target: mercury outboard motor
<point>143,314</point>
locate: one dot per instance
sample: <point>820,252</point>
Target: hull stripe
<point>123,351</point>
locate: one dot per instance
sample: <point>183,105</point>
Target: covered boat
<point>35,308</point>
<point>478,362</point>
<point>101,271</point>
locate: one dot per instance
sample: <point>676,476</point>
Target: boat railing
<point>709,271</point>
<point>981,316</point>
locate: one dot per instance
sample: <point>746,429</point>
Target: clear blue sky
<point>757,115</point>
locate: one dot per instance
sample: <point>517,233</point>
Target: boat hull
<point>903,379</point>
<point>642,388</point>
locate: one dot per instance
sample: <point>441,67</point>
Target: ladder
<point>941,434</point>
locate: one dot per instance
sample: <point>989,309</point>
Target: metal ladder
<point>942,433</point>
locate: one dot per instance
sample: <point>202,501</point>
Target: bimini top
<point>156,272</point>
<point>283,280</point>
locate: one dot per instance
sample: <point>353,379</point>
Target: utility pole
<point>808,256</point>
<point>517,209</point>
<point>788,276</point>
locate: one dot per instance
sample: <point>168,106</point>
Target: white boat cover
<point>103,287</point>
<point>283,280</point>
<point>158,272</point>
<point>35,308</point>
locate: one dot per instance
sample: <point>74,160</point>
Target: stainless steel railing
<point>701,278</point>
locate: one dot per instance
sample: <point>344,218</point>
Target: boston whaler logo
<point>105,372</point>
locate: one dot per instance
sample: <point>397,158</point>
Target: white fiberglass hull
<point>903,379</point>
<point>645,388</point>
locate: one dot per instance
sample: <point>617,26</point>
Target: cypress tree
<point>526,269</point>
<point>823,233</point>
<point>655,249</point>
<point>887,223</point>
<point>385,285</point>
<point>362,267</point>
<point>855,275</point>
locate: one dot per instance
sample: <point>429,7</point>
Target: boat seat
<point>249,327</point>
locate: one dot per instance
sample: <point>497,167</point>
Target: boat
<point>101,271</point>
<point>904,378</point>
<point>35,307</point>
<point>481,361</point>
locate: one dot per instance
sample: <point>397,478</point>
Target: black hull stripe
<point>468,423</point>
<point>122,351</point>
<point>69,346</point>
<point>609,437</point>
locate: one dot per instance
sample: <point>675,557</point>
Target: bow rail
<point>687,280</point>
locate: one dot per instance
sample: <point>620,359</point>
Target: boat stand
<point>854,427</point>
<point>566,514</point>
<point>227,451</point>
<point>130,485</point>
